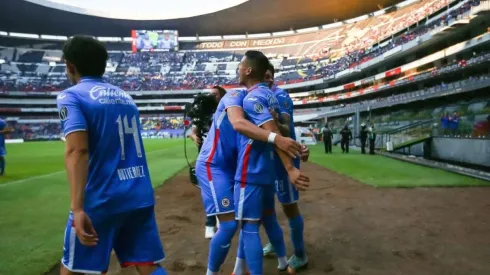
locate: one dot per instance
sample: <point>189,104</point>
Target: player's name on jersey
<point>131,173</point>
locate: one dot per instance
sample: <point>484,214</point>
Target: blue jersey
<point>118,178</point>
<point>256,158</point>
<point>220,147</point>
<point>3,126</point>
<point>286,107</point>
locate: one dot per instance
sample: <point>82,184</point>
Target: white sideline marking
<point>60,172</point>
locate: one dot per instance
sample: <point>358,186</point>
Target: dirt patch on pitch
<point>350,229</point>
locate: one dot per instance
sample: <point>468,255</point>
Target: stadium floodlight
<point>239,36</point>
<point>2,61</point>
<point>54,37</point>
<point>24,35</point>
<point>4,33</point>
<point>209,38</point>
<point>52,64</point>
<point>259,35</point>
<point>187,38</point>
<point>282,33</point>
<point>312,29</point>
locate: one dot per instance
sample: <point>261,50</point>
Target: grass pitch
<point>380,171</point>
<point>34,200</point>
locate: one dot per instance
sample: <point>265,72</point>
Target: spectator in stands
<point>454,124</point>
<point>198,135</point>
<point>445,124</point>
<point>482,129</point>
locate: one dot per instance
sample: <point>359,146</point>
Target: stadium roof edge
<point>25,9</point>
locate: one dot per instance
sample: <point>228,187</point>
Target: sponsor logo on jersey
<point>105,95</point>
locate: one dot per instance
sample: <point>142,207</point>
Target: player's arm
<point>75,129</point>
<point>237,119</point>
<point>284,126</point>
<point>286,109</point>
<point>258,112</point>
<point>76,164</point>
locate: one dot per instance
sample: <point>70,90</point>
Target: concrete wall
<point>471,151</point>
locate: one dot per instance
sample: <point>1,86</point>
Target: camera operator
<point>197,136</point>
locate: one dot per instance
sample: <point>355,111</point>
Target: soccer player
<point>111,194</point>
<point>211,221</point>
<point>287,194</point>
<point>216,167</point>
<point>3,130</point>
<point>254,178</point>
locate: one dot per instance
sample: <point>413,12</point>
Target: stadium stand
<point>163,81</point>
<point>310,56</point>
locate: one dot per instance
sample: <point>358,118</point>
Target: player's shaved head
<point>86,55</point>
<point>257,62</point>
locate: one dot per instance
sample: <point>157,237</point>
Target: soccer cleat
<point>287,271</point>
<point>298,263</point>
<point>209,232</point>
<point>246,273</point>
<point>268,250</point>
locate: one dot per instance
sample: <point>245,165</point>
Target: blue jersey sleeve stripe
<point>75,130</point>
<point>265,122</point>
<point>227,107</point>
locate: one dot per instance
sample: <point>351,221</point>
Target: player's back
<point>118,178</point>
<point>220,147</point>
<point>255,158</point>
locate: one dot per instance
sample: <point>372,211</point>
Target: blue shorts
<point>252,199</point>
<point>216,189</point>
<point>286,192</point>
<point>3,152</point>
<point>133,235</point>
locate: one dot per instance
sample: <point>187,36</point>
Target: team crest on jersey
<point>225,202</point>
<point>286,104</point>
<point>258,108</point>
<point>63,113</point>
<point>235,94</point>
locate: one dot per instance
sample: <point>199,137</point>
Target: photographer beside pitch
<point>197,135</point>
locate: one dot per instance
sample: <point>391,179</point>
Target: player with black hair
<point>286,193</point>
<point>216,167</point>
<point>111,194</point>
<point>254,188</point>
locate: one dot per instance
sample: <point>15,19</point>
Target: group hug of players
<point>250,155</point>
<point>246,159</point>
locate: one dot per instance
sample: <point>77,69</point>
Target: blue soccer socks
<point>2,166</point>
<point>252,247</point>
<point>276,237</point>
<point>296,225</point>
<point>220,244</point>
